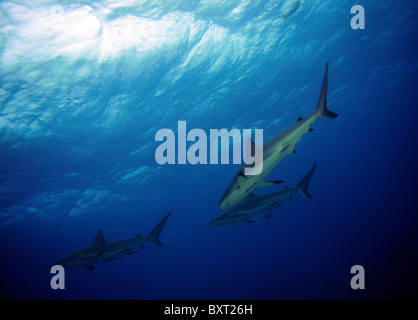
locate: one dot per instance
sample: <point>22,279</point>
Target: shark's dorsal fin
<point>138,235</point>
<point>300,118</point>
<point>99,239</point>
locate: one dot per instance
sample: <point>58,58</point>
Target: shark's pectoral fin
<point>252,195</point>
<point>248,221</point>
<point>90,267</point>
<point>300,119</point>
<point>311,129</point>
<point>268,215</point>
<point>265,183</point>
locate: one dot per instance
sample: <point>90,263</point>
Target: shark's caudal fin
<point>155,233</point>
<point>285,18</point>
<point>303,184</point>
<point>321,109</point>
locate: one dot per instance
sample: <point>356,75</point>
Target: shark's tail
<point>285,18</point>
<point>321,109</point>
<point>303,184</point>
<point>155,233</point>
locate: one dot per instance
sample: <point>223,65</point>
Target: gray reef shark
<point>273,152</point>
<point>254,205</point>
<point>291,10</point>
<point>101,250</point>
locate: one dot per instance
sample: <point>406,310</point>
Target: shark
<point>273,151</point>
<point>291,10</point>
<point>102,251</point>
<point>256,204</point>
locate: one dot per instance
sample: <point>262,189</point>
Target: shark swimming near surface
<point>273,152</point>
<point>291,10</point>
<point>254,205</point>
<point>102,251</point>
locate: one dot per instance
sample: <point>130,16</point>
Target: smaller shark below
<point>254,205</point>
<point>101,250</point>
<point>273,151</point>
<point>291,10</point>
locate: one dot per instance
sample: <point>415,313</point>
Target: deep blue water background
<point>77,150</point>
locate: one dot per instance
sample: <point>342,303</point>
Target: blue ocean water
<point>85,85</point>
